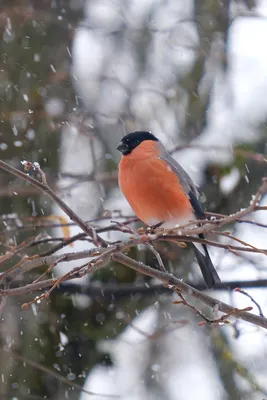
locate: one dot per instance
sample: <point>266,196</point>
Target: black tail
<point>207,268</point>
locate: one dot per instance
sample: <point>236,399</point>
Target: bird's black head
<point>132,140</point>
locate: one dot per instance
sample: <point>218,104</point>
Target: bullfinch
<point>160,192</point>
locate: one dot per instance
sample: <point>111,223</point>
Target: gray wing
<point>208,271</point>
<point>184,179</point>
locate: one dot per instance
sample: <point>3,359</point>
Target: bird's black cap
<point>132,140</point>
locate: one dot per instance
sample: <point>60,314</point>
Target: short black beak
<point>123,148</point>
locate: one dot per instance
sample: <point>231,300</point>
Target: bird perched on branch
<point>160,192</point>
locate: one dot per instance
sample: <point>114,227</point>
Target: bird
<point>160,192</point>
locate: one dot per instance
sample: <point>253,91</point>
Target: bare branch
<point>252,299</point>
<point>46,190</point>
<point>102,255</point>
<point>174,283</point>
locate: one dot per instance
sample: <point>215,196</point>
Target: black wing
<point>202,255</point>
<point>199,213</point>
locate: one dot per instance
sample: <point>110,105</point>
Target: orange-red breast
<point>160,191</point>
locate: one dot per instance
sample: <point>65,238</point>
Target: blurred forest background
<point>75,76</point>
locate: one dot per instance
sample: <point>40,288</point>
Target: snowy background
<point>75,77</point>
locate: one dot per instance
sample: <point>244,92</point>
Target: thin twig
<point>46,190</point>
<point>252,299</point>
<point>49,269</point>
<point>228,235</point>
<point>185,303</point>
<point>157,255</point>
<point>16,249</point>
